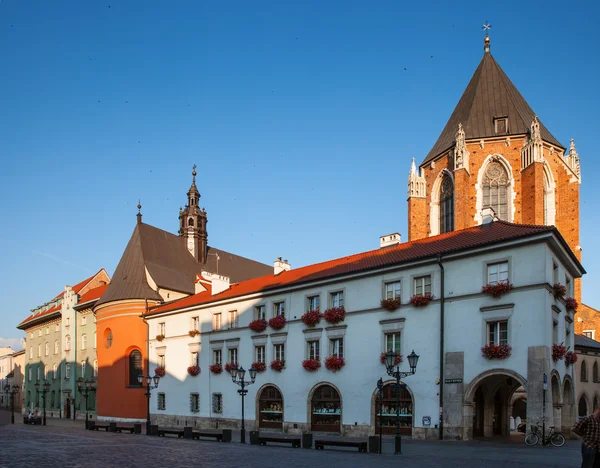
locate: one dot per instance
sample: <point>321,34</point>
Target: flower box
<point>397,360</point>
<point>259,366</point>
<point>312,317</point>
<point>229,366</point>
<point>571,304</point>
<point>334,363</point>
<point>391,304</point>
<point>216,368</point>
<point>570,358</point>
<point>311,365</point>
<point>258,326</point>
<point>160,337</point>
<point>277,322</point>
<point>492,351</point>
<point>193,333</point>
<point>277,365</point>
<point>559,290</point>
<point>497,290</point>
<point>335,314</point>
<point>193,370</point>
<point>160,371</point>
<point>421,301</point>
<point>558,352</point>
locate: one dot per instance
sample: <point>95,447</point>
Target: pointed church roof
<point>489,94</point>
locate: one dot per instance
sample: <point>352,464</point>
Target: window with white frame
<point>195,402</point>
<point>161,402</point>
<point>217,321</point>
<point>554,273</point>
<point>337,299</point>
<point>195,323</point>
<point>259,353</point>
<point>313,349</point>
<point>96,368</point>
<point>233,319</point>
<point>260,313</point>
<point>68,343</point>
<point>233,355</point>
<point>497,332</point>
<point>54,369</point>
<point>47,330</point>
<point>39,350</point>
<point>217,403</point>
<point>555,332</point>
<point>67,321</point>
<point>57,328</point>
<point>497,273</point>
<point>279,351</point>
<point>56,347</point>
<point>39,372</point>
<point>30,373</point>
<point>47,350</point>
<point>162,328</point>
<point>161,361</point>
<point>84,341</point>
<point>279,308</point>
<point>217,356</point>
<point>95,341</point>
<point>313,302</point>
<point>67,370</point>
<point>392,342</point>
<point>422,285</point>
<point>83,369</point>
<point>589,333</point>
<point>83,320</point>
<point>40,332</point>
<point>336,346</point>
<point>393,290</point>
<point>194,359</point>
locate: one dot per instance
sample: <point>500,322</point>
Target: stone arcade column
<point>454,394</point>
<point>538,363</point>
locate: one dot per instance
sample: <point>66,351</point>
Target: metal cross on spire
<point>486,42</point>
<point>486,27</point>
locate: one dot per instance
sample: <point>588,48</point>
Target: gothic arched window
<point>135,366</point>
<point>495,190</point>
<point>595,376</point>
<point>446,205</point>
<point>584,371</point>
<point>191,222</point>
<point>582,407</point>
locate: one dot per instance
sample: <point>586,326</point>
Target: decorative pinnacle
<point>194,173</point>
<point>486,41</point>
<point>139,206</point>
<point>413,168</point>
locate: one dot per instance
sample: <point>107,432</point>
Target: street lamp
<point>237,376</point>
<point>85,387</point>
<point>380,402</point>
<point>45,388</point>
<point>148,381</point>
<point>390,363</point>
<point>12,391</point>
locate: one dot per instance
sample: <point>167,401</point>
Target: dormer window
<point>501,125</point>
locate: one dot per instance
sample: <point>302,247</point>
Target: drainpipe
<point>147,347</point>
<point>441,425</point>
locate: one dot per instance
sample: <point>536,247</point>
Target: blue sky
<point>302,118</point>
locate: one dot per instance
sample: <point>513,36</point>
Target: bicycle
<point>553,437</point>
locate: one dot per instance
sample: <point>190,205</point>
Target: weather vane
<point>486,27</point>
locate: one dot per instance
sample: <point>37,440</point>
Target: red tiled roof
<point>92,294</point>
<point>473,237</point>
<point>36,317</point>
<point>79,286</point>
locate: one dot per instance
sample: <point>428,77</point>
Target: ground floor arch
<point>270,407</point>
<point>582,406</point>
<point>568,409</point>
<point>557,403</point>
<point>384,411</point>
<point>325,408</point>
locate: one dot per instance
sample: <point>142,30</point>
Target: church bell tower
<point>192,223</point>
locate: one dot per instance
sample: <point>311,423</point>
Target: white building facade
<point>460,396</point>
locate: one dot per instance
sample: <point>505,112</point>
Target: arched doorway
<point>387,420</point>
<point>270,408</point>
<point>67,408</point>
<point>568,409</point>
<point>556,400</point>
<point>326,410</point>
<point>582,408</point>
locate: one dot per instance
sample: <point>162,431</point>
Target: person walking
<point>589,430</point>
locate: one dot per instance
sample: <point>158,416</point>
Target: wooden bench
<point>124,429</point>
<point>197,434</point>
<point>320,444</point>
<point>97,427</point>
<point>295,441</point>
<point>164,432</point>
<point>36,421</point>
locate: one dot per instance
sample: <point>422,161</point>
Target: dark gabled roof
<point>585,342</point>
<point>429,247</point>
<point>170,265</point>
<point>489,94</point>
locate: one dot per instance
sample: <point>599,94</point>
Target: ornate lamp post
<point>12,391</point>
<point>380,402</point>
<point>393,370</point>
<point>85,387</point>
<point>43,389</point>
<point>237,376</point>
<point>148,381</point>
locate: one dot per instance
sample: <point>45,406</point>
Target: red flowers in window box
<point>160,337</point>
<point>570,358</point>
<point>193,333</point>
<point>334,363</point>
<point>194,370</point>
<point>559,290</point>
<point>421,301</point>
<point>312,317</point>
<point>492,351</point>
<point>497,290</point>
<point>311,365</point>
<point>160,371</point>
<point>398,358</point>
<point>571,304</point>
<point>335,314</point>
<point>259,325</point>
<point>390,304</point>
<point>229,366</point>
<point>216,368</point>
<point>277,364</point>
<point>259,366</point>
<point>558,352</point>
<point>277,322</point>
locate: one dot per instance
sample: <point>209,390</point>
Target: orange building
<point>156,267</point>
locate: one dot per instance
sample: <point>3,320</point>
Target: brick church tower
<point>495,152</point>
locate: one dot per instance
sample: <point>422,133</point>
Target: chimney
<point>281,265</point>
<point>219,283</point>
<point>389,239</point>
<point>488,216</point>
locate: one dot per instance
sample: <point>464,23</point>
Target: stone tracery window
<point>495,190</point>
<point>446,205</point>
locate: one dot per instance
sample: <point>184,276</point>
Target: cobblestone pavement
<point>59,445</point>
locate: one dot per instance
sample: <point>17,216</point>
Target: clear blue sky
<point>303,118</point>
